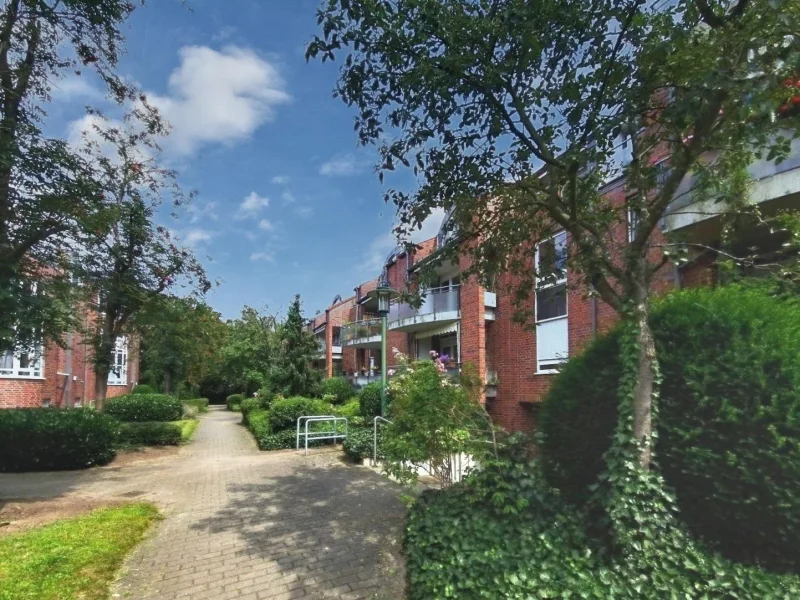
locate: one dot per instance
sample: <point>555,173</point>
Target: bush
<point>281,440</point>
<point>150,434</point>
<point>284,413</point>
<point>340,388</point>
<point>267,397</point>
<point>727,422</point>
<point>201,404</point>
<point>190,412</point>
<point>258,423</point>
<point>350,410</point>
<point>234,401</point>
<point>369,398</point>
<point>359,443</point>
<point>143,388</point>
<point>248,405</point>
<point>145,407</point>
<point>47,439</point>
<point>505,535</point>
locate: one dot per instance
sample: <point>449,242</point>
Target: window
<point>552,347</point>
<point>119,362</point>
<point>28,364</point>
<point>634,216</point>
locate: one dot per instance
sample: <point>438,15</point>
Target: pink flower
<point>390,372</point>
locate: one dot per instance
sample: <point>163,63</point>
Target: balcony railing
<point>437,301</point>
<point>360,330</point>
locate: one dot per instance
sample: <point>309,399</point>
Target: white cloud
<point>197,212</point>
<point>288,198</point>
<point>74,87</point>
<point>218,97</point>
<point>304,212</point>
<point>266,225</point>
<point>429,227</point>
<point>196,237</point>
<point>343,165</point>
<point>251,205</point>
<point>262,257</point>
<point>280,179</point>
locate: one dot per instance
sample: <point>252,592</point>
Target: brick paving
<point>249,525</point>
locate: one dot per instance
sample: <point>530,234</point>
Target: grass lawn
<point>74,559</point>
<point>187,428</point>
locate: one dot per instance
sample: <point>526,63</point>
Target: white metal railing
<point>320,435</point>
<point>437,300</point>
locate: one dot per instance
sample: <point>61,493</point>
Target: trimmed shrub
<point>267,397</point>
<point>234,401</point>
<point>248,405</point>
<point>369,399</point>
<point>145,407</point>
<point>284,413</point>
<point>154,433</point>
<point>258,423</point>
<point>728,419</point>
<point>201,404</point>
<point>281,440</point>
<point>48,439</point>
<point>359,443</point>
<point>143,388</point>
<point>340,388</point>
<point>350,410</point>
<point>190,412</point>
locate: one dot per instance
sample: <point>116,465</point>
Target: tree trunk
<point>645,379</point>
<point>100,387</point>
<point>167,382</point>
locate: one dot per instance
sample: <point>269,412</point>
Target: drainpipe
<point>593,311</point>
<point>677,276</point>
<point>68,369</point>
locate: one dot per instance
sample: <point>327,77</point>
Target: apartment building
<point>63,376</point>
<point>467,323</point>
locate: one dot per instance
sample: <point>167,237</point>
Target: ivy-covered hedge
<point>48,439</point>
<point>505,535</point>
<point>201,404</point>
<point>234,401</point>
<point>283,414</point>
<point>154,433</point>
<point>728,419</point>
<point>359,443</point>
<point>338,388</point>
<point>145,407</point>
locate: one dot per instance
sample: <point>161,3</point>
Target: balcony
<point>362,334</point>
<point>440,306</point>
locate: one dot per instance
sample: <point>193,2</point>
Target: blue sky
<point>288,203</point>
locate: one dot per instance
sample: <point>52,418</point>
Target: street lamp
<point>383,292</point>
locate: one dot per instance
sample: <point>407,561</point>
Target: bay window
<point>552,334</point>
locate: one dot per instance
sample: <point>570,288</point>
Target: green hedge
<point>248,405</point>
<point>728,419</point>
<point>339,388</point>
<point>201,404</point>
<point>369,398</point>
<point>359,443</point>
<point>283,414</point>
<point>234,401</point>
<point>145,407</point>
<point>47,439</point>
<point>155,433</point>
<point>143,388</point>
<point>258,423</point>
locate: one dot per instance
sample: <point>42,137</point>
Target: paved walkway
<point>243,524</point>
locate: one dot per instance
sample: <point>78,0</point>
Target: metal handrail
<point>320,435</point>
<point>357,330</point>
<point>375,437</point>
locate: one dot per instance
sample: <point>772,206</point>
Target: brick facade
<point>52,388</point>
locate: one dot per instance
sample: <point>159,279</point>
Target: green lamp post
<point>384,293</point>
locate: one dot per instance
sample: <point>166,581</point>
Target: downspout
<point>593,312</point>
<point>68,368</point>
<point>677,276</point>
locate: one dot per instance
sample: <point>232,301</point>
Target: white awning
<point>441,330</point>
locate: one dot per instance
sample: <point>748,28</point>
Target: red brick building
<point>63,377</point>
<point>470,324</point>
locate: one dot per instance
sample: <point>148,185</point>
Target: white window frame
<point>549,367</point>
<point>632,222</point>
<point>35,370</point>
<point>119,376</point>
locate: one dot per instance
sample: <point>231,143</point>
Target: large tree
<point>47,194</point>
<point>292,372</point>
<point>128,266</point>
<point>181,340</point>
<point>513,115</point>
<point>248,350</point>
